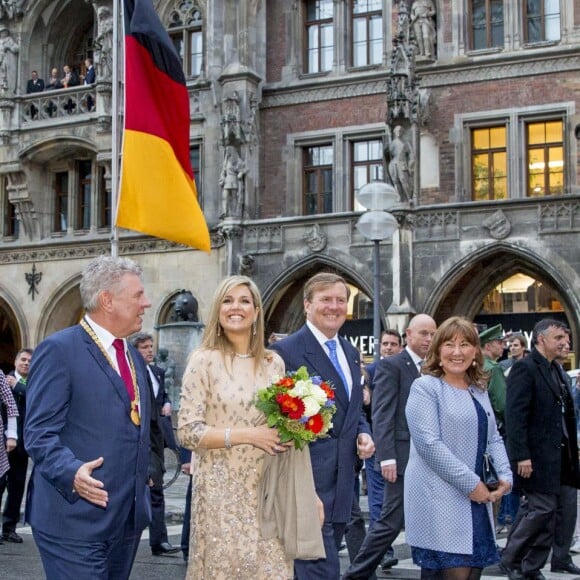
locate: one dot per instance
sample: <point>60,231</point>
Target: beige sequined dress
<point>225,542</point>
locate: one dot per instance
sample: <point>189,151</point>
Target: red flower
<point>315,423</point>
<point>328,390</point>
<point>285,382</point>
<point>291,406</point>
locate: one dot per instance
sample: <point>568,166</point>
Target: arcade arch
<point>467,288</point>
<point>13,333</point>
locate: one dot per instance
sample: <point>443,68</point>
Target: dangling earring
<point>254,328</point>
<point>219,332</point>
<point>473,363</point>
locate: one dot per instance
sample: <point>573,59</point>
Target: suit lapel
<point>547,375</point>
<point>111,373</point>
<point>410,366</point>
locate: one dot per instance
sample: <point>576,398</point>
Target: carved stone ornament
<point>315,238</point>
<point>498,225</point>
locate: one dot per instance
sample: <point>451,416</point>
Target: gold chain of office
<point>134,402</point>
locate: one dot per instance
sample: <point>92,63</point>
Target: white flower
<point>311,406</point>
<point>301,389</point>
<point>318,394</point>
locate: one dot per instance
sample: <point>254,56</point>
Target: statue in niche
<point>246,264</point>
<point>231,181</point>
<point>104,44</point>
<point>8,61</point>
<point>230,122</point>
<point>423,22</point>
<point>185,307</point>
<point>9,9</point>
<point>400,163</point>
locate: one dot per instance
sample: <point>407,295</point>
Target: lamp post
<point>377,224</point>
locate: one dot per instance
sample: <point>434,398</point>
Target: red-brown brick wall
<point>276,123</point>
<point>276,40</point>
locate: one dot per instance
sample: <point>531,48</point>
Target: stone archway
<point>284,311</point>
<point>462,290</point>
<point>64,309</point>
<point>12,335</point>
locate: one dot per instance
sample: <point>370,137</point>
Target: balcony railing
<point>62,103</point>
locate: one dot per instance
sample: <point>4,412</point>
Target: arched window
<point>185,29</point>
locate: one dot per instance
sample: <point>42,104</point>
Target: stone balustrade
<point>61,103</point>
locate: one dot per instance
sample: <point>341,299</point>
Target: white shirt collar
<point>416,358</point>
<point>104,336</point>
<point>320,336</point>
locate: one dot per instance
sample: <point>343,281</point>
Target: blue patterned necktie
<point>331,344</point>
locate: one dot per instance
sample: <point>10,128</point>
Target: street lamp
<point>377,224</point>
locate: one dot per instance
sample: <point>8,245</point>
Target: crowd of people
<point>459,442</point>
<point>68,78</point>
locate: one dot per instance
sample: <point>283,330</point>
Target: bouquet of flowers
<point>299,406</point>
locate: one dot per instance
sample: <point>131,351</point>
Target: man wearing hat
<point>491,340</point>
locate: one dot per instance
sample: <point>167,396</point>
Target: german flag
<point>158,195</point>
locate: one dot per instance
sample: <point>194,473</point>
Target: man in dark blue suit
<point>158,539</point>
<point>318,347</point>
<point>87,430</point>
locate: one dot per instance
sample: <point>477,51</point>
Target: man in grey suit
<point>393,379</point>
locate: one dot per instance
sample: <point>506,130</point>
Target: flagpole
<point>115,110</point>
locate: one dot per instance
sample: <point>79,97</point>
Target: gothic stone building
<point>289,110</point>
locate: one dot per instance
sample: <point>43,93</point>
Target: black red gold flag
<point>158,194</point>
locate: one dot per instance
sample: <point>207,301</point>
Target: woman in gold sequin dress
<point>219,422</point>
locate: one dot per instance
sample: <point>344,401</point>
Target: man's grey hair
<point>544,325</point>
<point>140,338</point>
<point>104,274</point>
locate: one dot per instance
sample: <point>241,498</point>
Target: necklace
<point>135,417</point>
<point>239,355</point>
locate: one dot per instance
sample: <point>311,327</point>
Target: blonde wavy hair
<point>215,339</point>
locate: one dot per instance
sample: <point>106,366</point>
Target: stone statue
<point>246,265</point>
<point>423,21</point>
<point>104,44</point>
<point>232,182</point>
<point>168,365</point>
<point>9,9</point>
<point>230,122</point>
<point>8,61</point>
<point>185,307</point>
<point>400,163</point>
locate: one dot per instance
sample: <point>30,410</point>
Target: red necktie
<point>124,369</point>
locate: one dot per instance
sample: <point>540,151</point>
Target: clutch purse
<point>489,475</point>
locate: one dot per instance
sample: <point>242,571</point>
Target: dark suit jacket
<point>534,425</point>
<point>392,383</point>
<point>163,397</point>
<point>34,87</point>
<point>90,77</point>
<point>333,458</point>
<point>78,410</point>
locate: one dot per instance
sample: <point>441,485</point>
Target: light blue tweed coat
<point>440,473</point>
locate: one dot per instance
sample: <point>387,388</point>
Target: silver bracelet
<point>227,438</point>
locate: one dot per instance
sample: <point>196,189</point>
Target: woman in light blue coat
<point>448,509</point>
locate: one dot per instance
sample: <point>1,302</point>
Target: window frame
<point>515,120</point>
<point>183,33</point>
<point>488,26</point>
<point>83,202</point>
<point>318,170</point>
<point>318,23</point>
<point>542,16</point>
<point>61,201</point>
<point>490,152</point>
<point>546,147</point>
<point>367,163</point>
<point>368,17</point>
